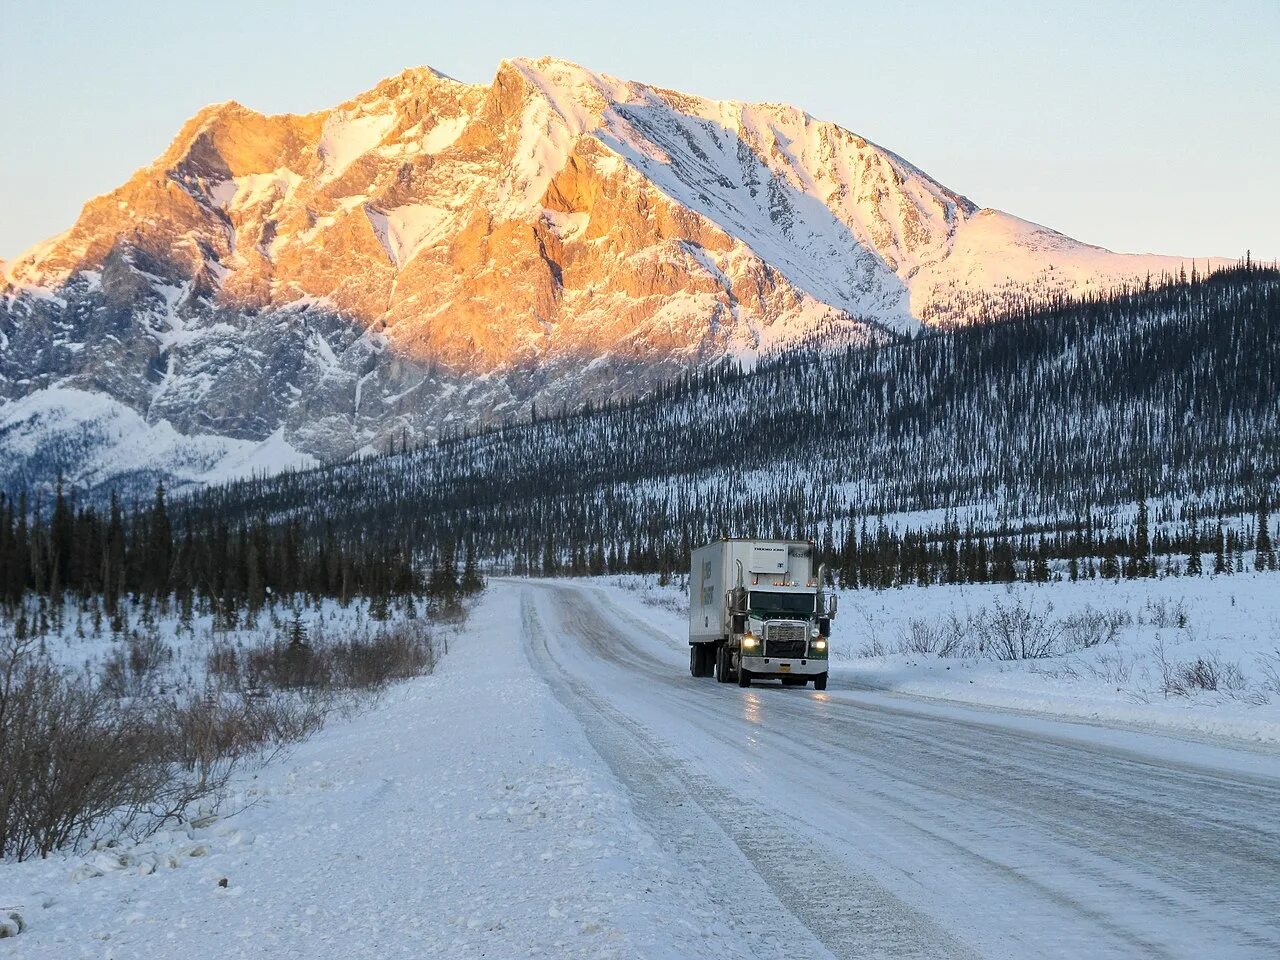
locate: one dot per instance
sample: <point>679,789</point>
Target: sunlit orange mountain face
<point>435,254</point>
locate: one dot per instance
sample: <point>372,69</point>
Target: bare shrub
<point>1167,613</point>
<point>675,602</point>
<point>74,760</point>
<point>1090,628</point>
<point>1018,632</point>
<point>224,665</point>
<point>949,636</point>
<point>1212,673</point>
<point>131,670</point>
<point>921,637</point>
<point>209,736</point>
<point>1062,670</point>
<point>1269,672</point>
<point>394,653</point>
<point>1206,673</point>
<point>872,647</point>
<point>449,611</point>
<point>1112,668</point>
<point>147,654</point>
<point>87,758</point>
<point>285,665</point>
<point>872,644</point>
<point>962,635</point>
<point>292,718</point>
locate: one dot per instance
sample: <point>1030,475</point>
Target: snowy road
<point>858,825</point>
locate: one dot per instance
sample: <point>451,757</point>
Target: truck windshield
<point>769,605</point>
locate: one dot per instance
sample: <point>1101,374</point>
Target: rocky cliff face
<point>434,254</point>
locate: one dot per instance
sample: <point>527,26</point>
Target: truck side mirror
<point>739,623</point>
<point>824,626</point>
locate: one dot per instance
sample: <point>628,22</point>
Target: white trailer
<point>758,610</point>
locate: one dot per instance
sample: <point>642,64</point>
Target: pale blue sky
<point>1142,126</point>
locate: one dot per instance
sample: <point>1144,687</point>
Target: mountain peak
<point>434,252</point>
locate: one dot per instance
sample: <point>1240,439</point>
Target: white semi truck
<point>758,610</point>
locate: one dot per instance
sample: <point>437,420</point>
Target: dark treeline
<point>236,564</point>
<point>1071,412</point>
<point>882,558</point>
<point>1028,441</point>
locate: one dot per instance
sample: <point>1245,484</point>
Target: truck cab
<point>783,636</point>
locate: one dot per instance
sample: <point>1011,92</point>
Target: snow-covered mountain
<point>97,441</point>
<point>434,254</point>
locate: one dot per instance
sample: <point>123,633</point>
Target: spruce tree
<point>1193,551</point>
<point>159,548</point>
<point>1142,542</point>
<point>471,581</point>
<point>1264,557</point>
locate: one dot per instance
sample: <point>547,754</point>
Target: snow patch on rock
<point>347,137</point>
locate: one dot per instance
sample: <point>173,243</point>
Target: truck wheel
<point>722,664</point>
<point>695,661</point>
<point>820,682</point>
<point>744,678</point>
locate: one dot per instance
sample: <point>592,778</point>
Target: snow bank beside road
<point>465,816</point>
<point>1162,630</point>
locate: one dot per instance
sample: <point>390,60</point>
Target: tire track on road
<point>850,916</point>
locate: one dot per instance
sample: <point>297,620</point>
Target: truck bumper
<point>777,667</point>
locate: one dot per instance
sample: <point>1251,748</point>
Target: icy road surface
<point>852,824</point>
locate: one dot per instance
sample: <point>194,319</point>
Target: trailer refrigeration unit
<point>758,610</point>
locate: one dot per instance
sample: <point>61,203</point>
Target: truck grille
<point>786,640</point>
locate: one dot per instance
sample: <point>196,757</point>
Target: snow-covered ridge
<point>94,441</point>
<point>794,189</point>
<point>397,266</point>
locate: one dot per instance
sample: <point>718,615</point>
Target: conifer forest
<point>1132,433</point>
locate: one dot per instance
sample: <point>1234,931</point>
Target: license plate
<point>784,668</point>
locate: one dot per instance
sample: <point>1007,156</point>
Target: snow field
<point>463,816</point>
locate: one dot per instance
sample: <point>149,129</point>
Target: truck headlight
<point>819,644</point>
<point>814,631</point>
<point>749,642</point>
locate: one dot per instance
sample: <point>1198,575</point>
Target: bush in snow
<point>396,651</point>
<point>1269,672</point>
<point>1091,628</point>
<point>1205,673</point>
<point>1167,613</point>
<point>1018,632</point>
<point>129,672</point>
<point>949,636</point>
<point>73,759</point>
<point>109,753</point>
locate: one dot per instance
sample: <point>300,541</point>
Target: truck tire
<point>700,662</point>
<point>695,660</point>
<point>744,678</point>
<point>722,664</point>
<point>820,682</point>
